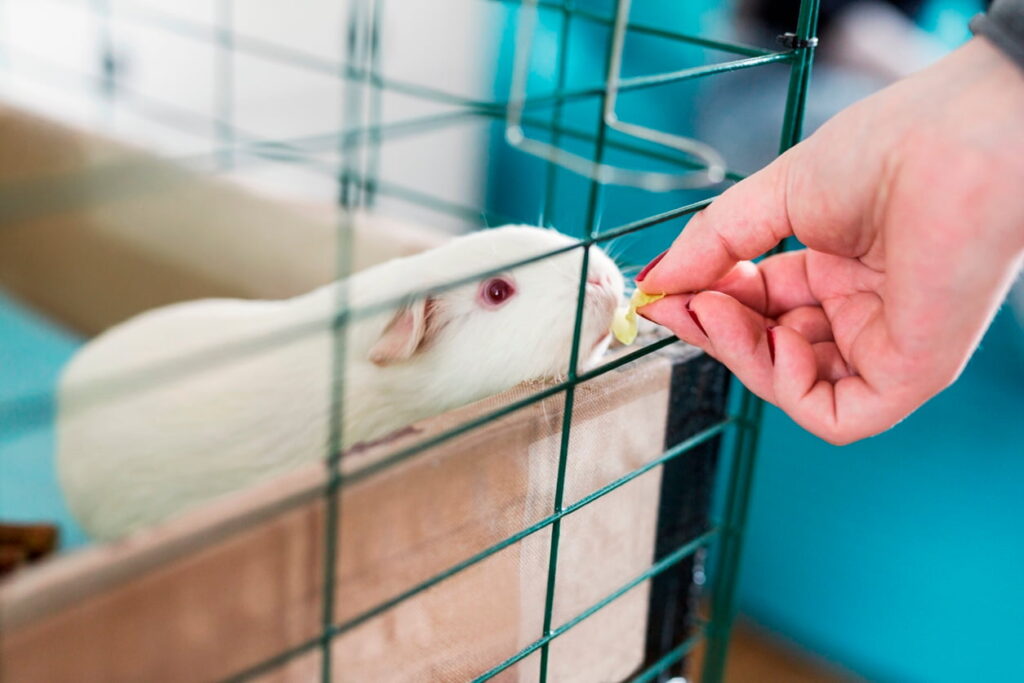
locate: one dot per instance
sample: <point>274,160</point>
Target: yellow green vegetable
<point>624,323</point>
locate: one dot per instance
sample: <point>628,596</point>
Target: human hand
<point>911,206</point>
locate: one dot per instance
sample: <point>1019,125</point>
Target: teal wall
<point>32,352</point>
<point>900,557</point>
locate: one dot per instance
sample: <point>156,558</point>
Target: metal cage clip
<point>795,42</point>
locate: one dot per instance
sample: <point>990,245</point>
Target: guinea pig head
<point>507,327</point>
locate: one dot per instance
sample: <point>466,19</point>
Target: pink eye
<point>496,291</point>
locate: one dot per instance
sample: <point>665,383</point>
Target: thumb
<point>747,220</point>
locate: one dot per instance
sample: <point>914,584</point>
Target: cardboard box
<point>93,232</point>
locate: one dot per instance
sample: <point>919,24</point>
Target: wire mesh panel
<point>551,533</point>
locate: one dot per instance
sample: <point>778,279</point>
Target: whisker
<point>600,214</point>
<point>615,249</point>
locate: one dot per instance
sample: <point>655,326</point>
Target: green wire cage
<point>686,610</point>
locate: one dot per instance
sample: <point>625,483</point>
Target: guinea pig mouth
<point>603,300</point>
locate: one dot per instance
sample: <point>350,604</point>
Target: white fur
<point>139,456</point>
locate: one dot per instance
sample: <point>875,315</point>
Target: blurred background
<point>898,558</point>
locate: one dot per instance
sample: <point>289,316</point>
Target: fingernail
<point>770,333</point>
<point>696,320</point>
<point>646,269</point>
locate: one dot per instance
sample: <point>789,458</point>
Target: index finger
<point>747,220</point>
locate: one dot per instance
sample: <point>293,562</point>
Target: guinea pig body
<point>135,457</point>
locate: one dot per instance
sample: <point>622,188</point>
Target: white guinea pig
<point>140,456</point>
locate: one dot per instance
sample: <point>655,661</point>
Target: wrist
<point>987,119</point>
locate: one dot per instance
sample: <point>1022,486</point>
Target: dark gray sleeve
<point>1003,25</point>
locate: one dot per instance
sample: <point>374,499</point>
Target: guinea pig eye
<point>496,291</point>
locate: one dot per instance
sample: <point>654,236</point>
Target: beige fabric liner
<point>228,585</point>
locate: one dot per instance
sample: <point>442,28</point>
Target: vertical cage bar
<point>108,60</point>
<point>800,77</point>
<point>374,79</point>
<point>224,92</point>
<point>592,218</point>
<point>357,47</point>
<point>551,175</point>
<point>723,594</point>
<point>723,606</point>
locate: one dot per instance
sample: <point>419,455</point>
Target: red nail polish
<point>770,334</point>
<point>646,269</point>
<point>695,319</point>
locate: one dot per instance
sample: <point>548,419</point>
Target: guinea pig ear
<point>408,331</point>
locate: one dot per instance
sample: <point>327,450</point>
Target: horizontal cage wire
<point>358,140</point>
